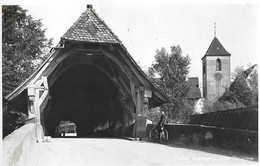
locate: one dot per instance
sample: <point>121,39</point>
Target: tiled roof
<point>216,49</point>
<point>90,28</point>
<point>249,71</point>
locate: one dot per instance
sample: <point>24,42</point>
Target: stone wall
<point>240,118</point>
<point>17,145</point>
<point>199,135</point>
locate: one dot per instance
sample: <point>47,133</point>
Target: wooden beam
<point>110,56</point>
<point>130,63</point>
<point>62,70</point>
<point>123,68</point>
<point>139,102</point>
<point>20,88</point>
<point>111,67</point>
<point>124,85</point>
<point>54,74</point>
<point>55,62</point>
<point>118,78</point>
<point>46,90</point>
<point>39,131</point>
<point>39,104</point>
<point>132,86</point>
<point>131,91</point>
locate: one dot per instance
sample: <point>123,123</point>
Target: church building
<point>215,70</point>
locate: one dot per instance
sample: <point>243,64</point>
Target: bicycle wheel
<point>153,135</point>
<point>164,136</point>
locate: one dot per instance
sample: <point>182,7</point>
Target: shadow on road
<point>214,150</point>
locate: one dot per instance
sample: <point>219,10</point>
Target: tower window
<point>218,65</point>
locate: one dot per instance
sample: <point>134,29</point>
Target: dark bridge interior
<point>86,96</point>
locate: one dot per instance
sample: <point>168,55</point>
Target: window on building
<point>218,65</point>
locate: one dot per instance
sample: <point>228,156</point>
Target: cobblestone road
<point>105,151</point>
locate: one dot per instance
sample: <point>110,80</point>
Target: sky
<point>144,26</point>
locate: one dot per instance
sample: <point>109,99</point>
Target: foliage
<point>172,69</point>
<point>252,80</point>
<point>12,120</point>
<point>154,114</point>
<point>209,106</point>
<point>244,88</point>
<point>24,46</point>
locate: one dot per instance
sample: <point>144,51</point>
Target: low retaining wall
<point>240,118</point>
<point>199,135</point>
<point>17,145</point>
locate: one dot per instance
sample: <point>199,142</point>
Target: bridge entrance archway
<point>87,96</point>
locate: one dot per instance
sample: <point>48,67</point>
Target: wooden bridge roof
<point>90,28</point>
<point>91,32</point>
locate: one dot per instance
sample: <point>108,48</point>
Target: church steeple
<point>215,69</point>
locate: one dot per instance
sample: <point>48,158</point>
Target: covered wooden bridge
<point>89,79</point>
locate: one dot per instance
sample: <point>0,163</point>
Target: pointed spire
<point>214,29</point>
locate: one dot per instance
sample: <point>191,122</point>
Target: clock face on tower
<point>217,76</point>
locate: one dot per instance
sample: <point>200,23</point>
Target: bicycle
<point>156,137</point>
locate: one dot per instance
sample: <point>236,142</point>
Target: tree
<point>253,85</point>
<point>172,69</point>
<point>24,45</point>
<point>244,89</point>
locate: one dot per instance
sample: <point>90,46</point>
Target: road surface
<point>105,151</point>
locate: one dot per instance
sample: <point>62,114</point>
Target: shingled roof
<point>216,49</point>
<point>90,28</point>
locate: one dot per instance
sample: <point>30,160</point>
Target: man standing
<point>161,122</point>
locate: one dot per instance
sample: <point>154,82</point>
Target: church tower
<point>215,70</point>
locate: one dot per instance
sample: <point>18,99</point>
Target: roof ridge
<point>74,23</point>
<point>103,22</point>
